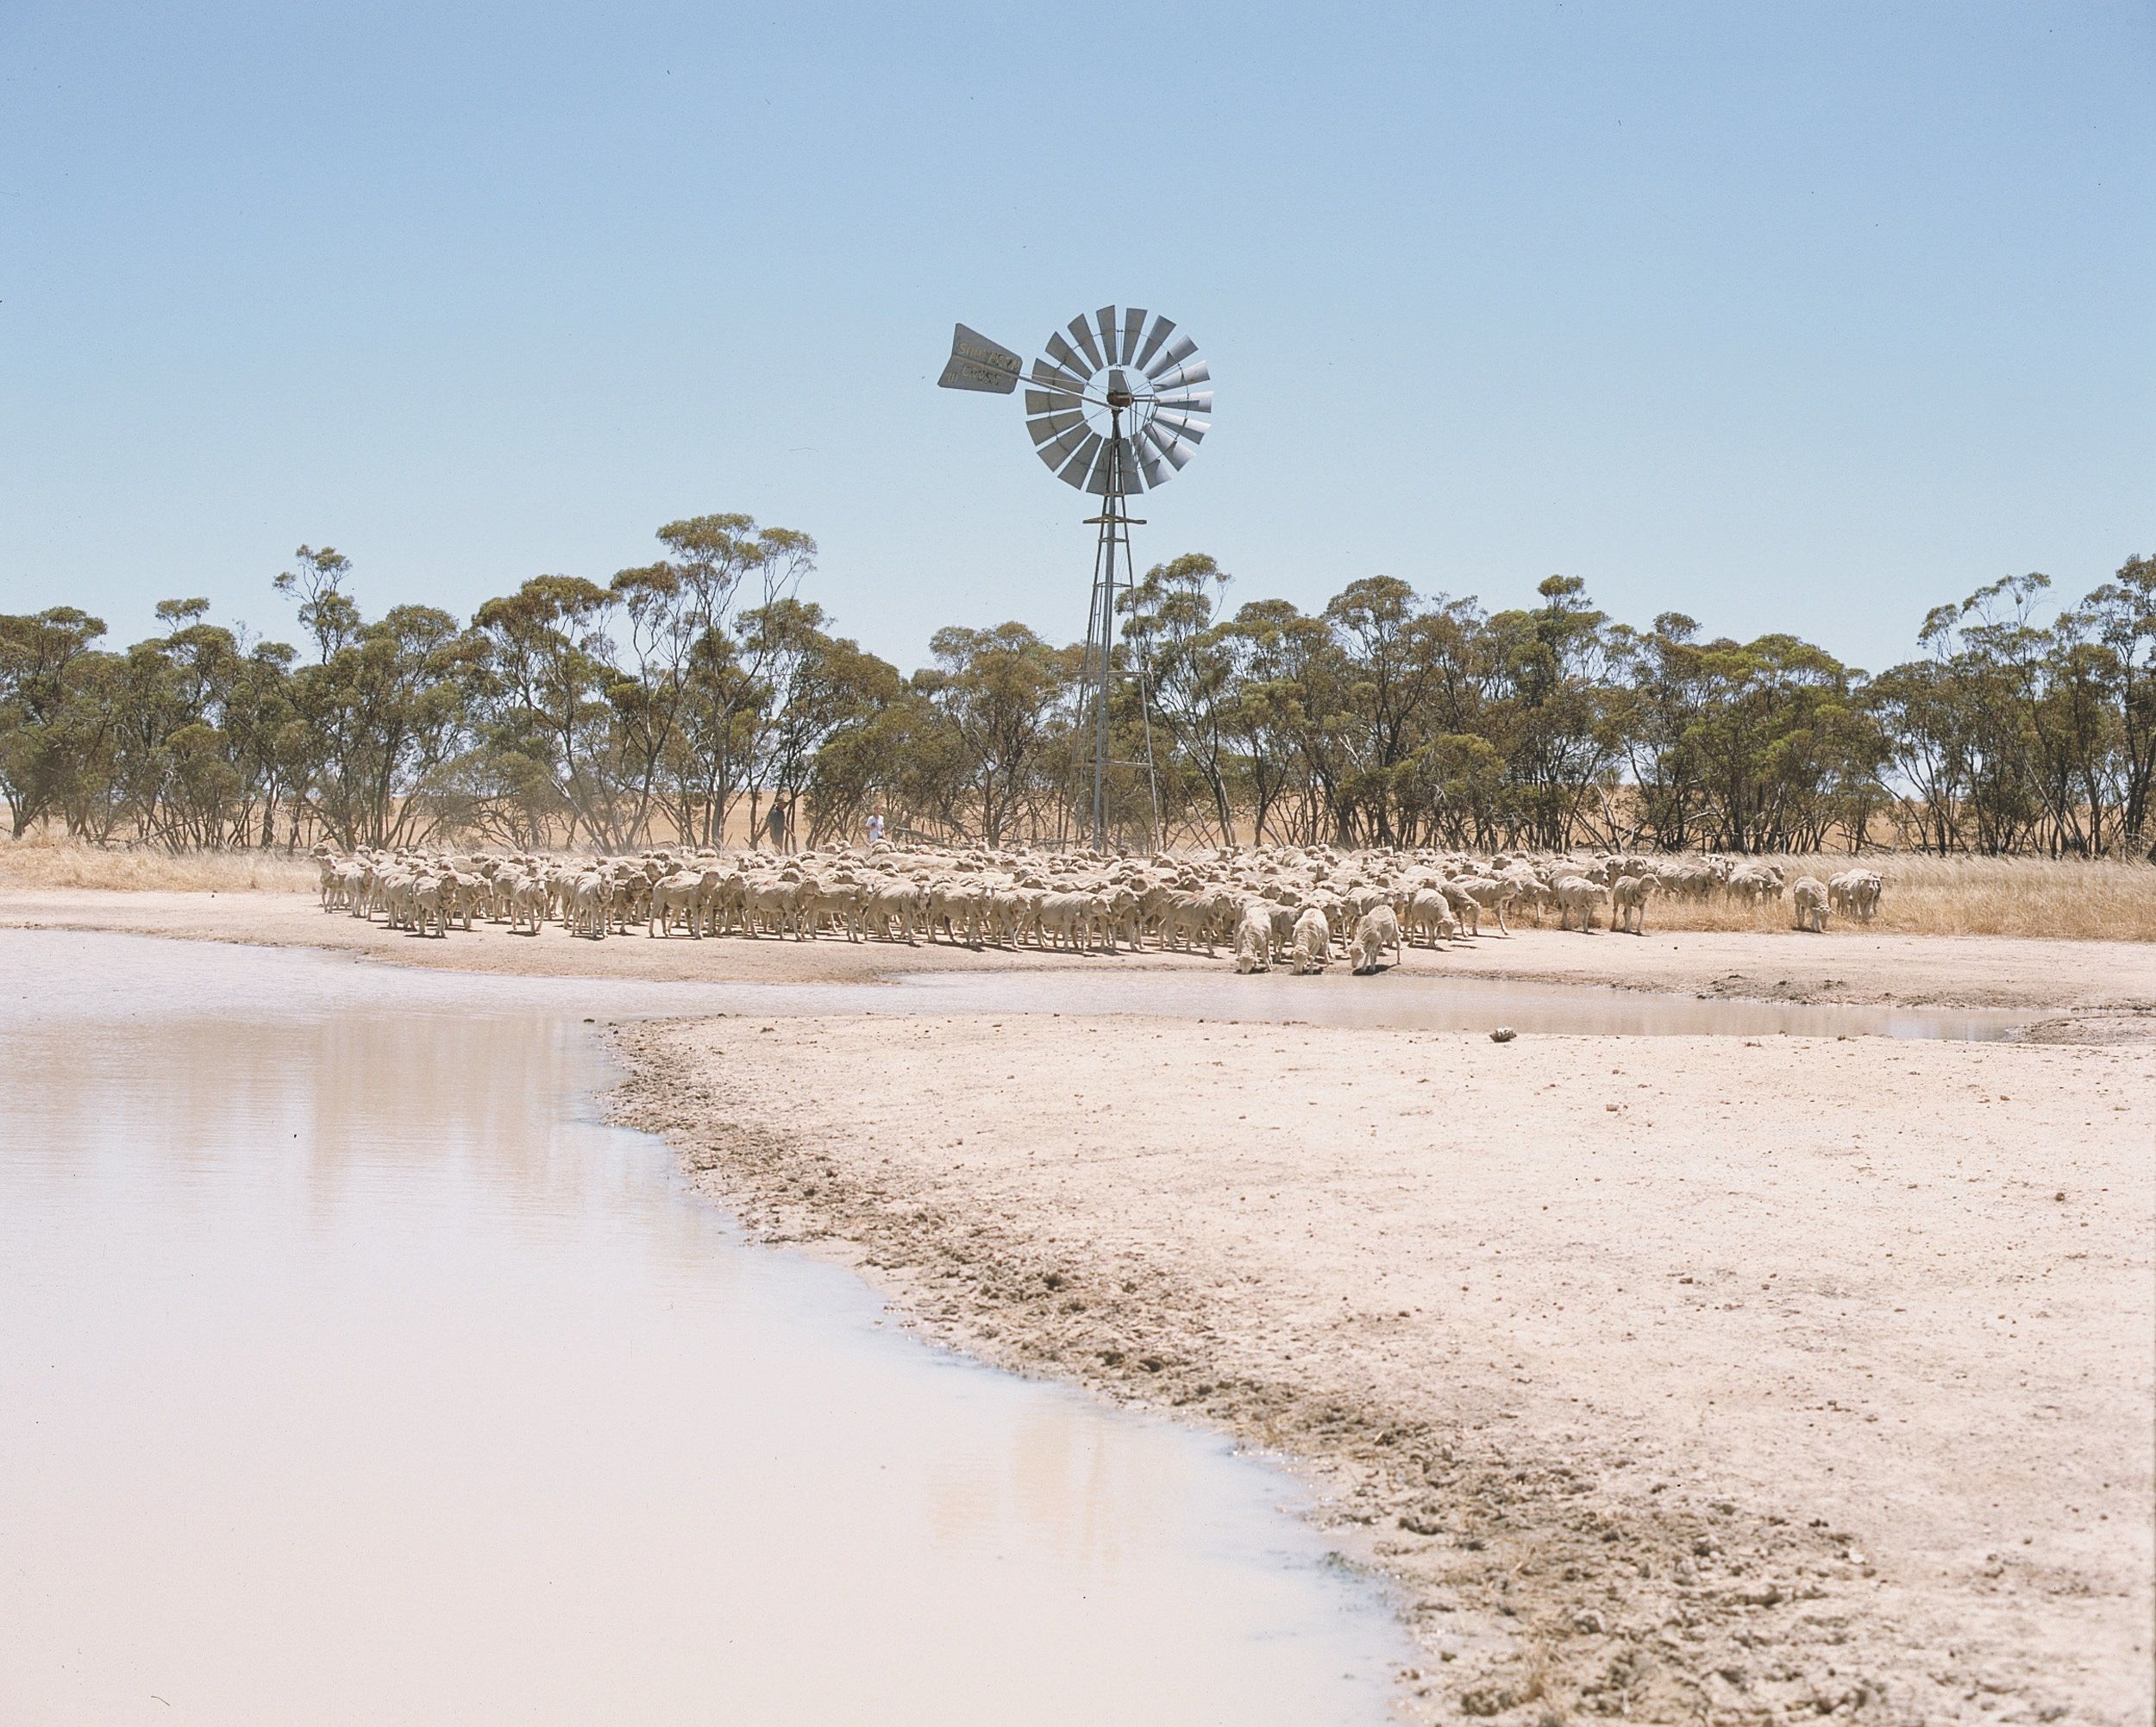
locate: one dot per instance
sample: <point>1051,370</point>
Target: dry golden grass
<point>40,862</point>
<point>1960,896</point>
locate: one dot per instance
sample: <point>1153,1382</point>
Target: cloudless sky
<point>1802,316</point>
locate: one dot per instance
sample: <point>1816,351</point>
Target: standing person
<point>875,829</point>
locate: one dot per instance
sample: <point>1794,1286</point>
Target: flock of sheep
<point>1271,905</point>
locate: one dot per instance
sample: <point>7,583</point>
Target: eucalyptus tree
<point>1257,711</point>
<point>547,670</point>
<point>51,725</point>
<point>1191,668</point>
<point>687,700</point>
<point>2120,618</point>
<point>886,757</point>
<point>385,723</point>
<point>821,688</point>
<point>1553,672</point>
<point>1001,693</point>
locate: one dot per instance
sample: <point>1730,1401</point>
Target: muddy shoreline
<point>1572,1538</point>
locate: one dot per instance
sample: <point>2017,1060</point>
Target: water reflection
<point>356,1374</point>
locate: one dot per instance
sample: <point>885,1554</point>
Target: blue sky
<point>1788,316</point>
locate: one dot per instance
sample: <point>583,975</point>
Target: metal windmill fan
<point>1113,408</point>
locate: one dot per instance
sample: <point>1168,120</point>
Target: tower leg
<point>1103,585</point>
<point>1098,673</point>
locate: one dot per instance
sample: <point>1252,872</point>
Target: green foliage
<point>700,697</point>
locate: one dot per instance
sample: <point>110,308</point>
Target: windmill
<point>1113,408</point>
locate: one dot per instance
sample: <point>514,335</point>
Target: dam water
<point>352,1370</point>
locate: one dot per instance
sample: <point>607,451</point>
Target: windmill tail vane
<point>1113,408</point>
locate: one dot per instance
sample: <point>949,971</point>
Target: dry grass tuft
<point>37,862</point>
<point>1961,896</point>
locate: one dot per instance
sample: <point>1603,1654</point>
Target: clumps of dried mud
<point>1545,1579</point>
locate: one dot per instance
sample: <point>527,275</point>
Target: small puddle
<point>356,1373</point>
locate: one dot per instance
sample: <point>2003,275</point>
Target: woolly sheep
<point>1628,903</point>
<point>1855,892</point>
<point>1809,897</point>
<point>673,897</point>
<point>1578,896</point>
<point>1254,938</point>
<point>1312,946</point>
<point>1753,882</point>
<point>1376,934</point>
<point>1430,914</point>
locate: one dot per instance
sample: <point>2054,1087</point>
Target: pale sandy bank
<point>1673,1378</point>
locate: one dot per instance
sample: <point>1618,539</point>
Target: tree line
<point>702,697</point>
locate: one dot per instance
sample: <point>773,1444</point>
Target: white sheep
<point>1754,882</point>
<point>1312,943</point>
<point>588,901</point>
<point>1376,934</point>
<point>527,903</point>
<point>1628,903</point>
<point>1856,893</point>
<point>1577,896</point>
<point>1254,938</point>
<point>1808,896</point>
<point>1429,916</point>
<point>676,896</point>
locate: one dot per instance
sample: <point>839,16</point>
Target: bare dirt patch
<point>1672,1378</point>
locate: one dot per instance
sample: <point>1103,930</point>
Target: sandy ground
<point>1672,1378</point>
<point>2110,987</point>
<point>1675,1379</point>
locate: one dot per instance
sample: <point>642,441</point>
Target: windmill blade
<point>1176,351</point>
<point>1168,447</point>
<point>1198,403</point>
<point>1133,328</point>
<point>1050,401</point>
<point>1191,431</point>
<point>1200,373</point>
<point>1069,358</point>
<point>1081,333</point>
<point>1074,471</point>
<point>1055,378</point>
<point>1134,480</point>
<point>1157,471</point>
<point>1055,425</point>
<point>1064,445</point>
<point>1105,320</point>
<point>1113,467</point>
<point>1161,327</point>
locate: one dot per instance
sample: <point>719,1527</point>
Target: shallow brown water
<point>356,1374</point>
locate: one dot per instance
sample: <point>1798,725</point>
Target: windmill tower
<point>1113,408</point>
